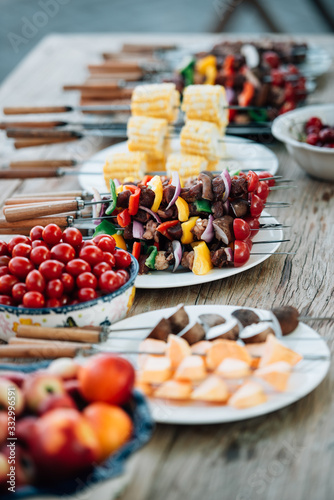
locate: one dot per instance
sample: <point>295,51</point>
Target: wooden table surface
<point>284,455</point>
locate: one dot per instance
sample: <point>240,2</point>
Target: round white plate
<point>305,377</point>
<point>184,277</point>
<point>255,157</point>
<point>318,61</point>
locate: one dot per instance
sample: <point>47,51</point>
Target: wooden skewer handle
<point>114,66</point>
<point>32,201</point>
<point>17,133</point>
<point>28,174</point>
<point>38,342</point>
<point>68,334</point>
<point>60,221</point>
<point>93,86</point>
<point>30,110</point>
<point>46,124</point>
<point>37,351</point>
<point>39,210</point>
<point>51,194</point>
<point>32,143</point>
<point>42,164</point>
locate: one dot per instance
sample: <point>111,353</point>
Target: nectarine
<point>39,386</point>
<point>11,395</point>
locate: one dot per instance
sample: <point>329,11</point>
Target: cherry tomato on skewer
<point>241,253</point>
<point>253,181</point>
<point>262,190</point>
<point>265,175</point>
<point>241,229</point>
<point>256,205</point>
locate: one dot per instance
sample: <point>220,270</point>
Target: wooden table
<point>288,454</point>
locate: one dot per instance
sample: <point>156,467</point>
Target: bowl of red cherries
<point>308,134</point>
<point>55,278</point>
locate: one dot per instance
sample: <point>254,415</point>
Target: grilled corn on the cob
<point>157,100</point>
<point>186,165</point>
<point>206,102</point>
<point>124,165</point>
<point>147,135</point>
<point>202,138</point>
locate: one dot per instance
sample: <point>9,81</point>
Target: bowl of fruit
<point>54,278</point>
<point>70,427</point>
<point>308,134</point>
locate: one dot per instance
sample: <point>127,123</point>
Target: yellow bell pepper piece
<point>210,75</point>
<point>203,64</point>
<point>120,242</point>
<point>119,189</point>
<point>156,185</point>
<point>187,235</point>
<point>202,260</point>
<point>182,209</point>
<point>129,179</point>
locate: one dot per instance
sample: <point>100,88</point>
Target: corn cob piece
<point>202,138</point>
<point>147,135</point>
<point>206,102</point>
<point>186,165</point>
<point>157,100</point>
<point>124,165</point>
<point>154,165</point>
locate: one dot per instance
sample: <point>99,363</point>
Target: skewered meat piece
<point>123,199</point>
<point>175,232</point>
<point>143,269</point>
<point>223,228</point>
<point>161,330</point>
<point>211,320</point>
<point>170,214</point>
<point>219,258</point>
<point>161,262</point>
<point>207,192</point>
<point>146,197</point>
<point>246,317</point>
<point>240,207</point>
<point>193,334</point>
<point>217,209</point>
<point>178,320</point>
<point>192,194</point>
<point>188,259</point>
<point>142,216</point>
<point>199,228</point>
<point>128,234</point>
<point>239,188</point>
<point>168,194</point>
<point>150,231</point>
<point>218,187</point>
<point>287,317</point>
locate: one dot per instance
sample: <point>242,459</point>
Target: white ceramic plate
<point>318,61</point>
<point>255,158</point>
<point>183,277</point>
<point>306,376</point>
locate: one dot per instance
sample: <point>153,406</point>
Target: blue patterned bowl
<point>106,480</point>
<point>104,310</point>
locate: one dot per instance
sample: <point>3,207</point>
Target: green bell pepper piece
<point>113,194</point>
<point>260,115</point>
<point>150,261</point>
<point>105,227</point>
<point>188,71</point>
<point>203,206</point>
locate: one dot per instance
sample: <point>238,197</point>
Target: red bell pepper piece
<point>146,179</point>
<point>163,228</point>
<point>124,218</point>
<point>246,95</point>
<point>156,244</point>
<point>134,202</point>
<point>136,250</point>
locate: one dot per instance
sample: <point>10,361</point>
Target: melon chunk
<point>250,394</point>
<point>144,388</point>
<point>275,351</point>
<point>191,368</point>
<point>173,389</point>
<point>201,347</point>
<point>213,389</point>
<point>221,349</point>
<point>156,369</point>
<point>150,346</point>
<point>233,368</point>
<point>276,374</point>
<point>177,349</point>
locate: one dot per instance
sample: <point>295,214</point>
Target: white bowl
<point>316,161</point>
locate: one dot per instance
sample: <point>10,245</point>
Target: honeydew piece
<point>213,389</point>
<point>191,368</point>
<point>275,351</point>
<point>233,368</point>
<point>201,347</point>
<point>155,370</point>
<point>173,389</point>
<point>250,394</point>
<point>177,349</point>
<point>277,375</point>
<point>221,349</point>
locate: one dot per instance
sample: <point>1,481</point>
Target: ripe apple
<point>17,377</point>
<point>64,444</point>
<point>107,378</point>
<point>24,430</point>
<point>56,401</point>
<point>65,368</point>
<point>111,424</point>
<point>40,386</point>
<point>72,388</point>
<point>11,395</point>
<point>25,468</point>
<point>4,470</point>
<point>3,426</point>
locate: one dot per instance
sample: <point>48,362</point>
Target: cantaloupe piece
<point>177,349</point>
<point>233,368</point>
<point>221,349</point>
<point>256,352</point>
<point>201,347</point>
<point>173,389</point>
<point>191,368</point>
<point>277,374</point>
<point>250,394</point>
<point>150,346</point>
<point>144,388</point>
<point>213,389</point>
<point>156,369</point>
<point>275,351</point>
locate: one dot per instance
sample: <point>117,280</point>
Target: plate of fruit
<point>216,363</point>
<point>70,427</point>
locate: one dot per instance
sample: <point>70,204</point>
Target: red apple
<point>3,426</point>
<point>17,377</point>
<point>72,388</point>
<point>65,368</point>
<point>4,470</point>
<point>21,465</point>
<point>11,396</point>
<point>56,401</point>
<point>64,444</point>
<point>24,430</point>
<point>39,386</point>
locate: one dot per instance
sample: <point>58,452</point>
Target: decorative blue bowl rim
<point>143,426</point>
<point>133,271</point>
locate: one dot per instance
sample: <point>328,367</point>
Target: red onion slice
<point>226,207</point>
<point>137,230</point>
<point>209,232</point>
<point>149,211</point>
<point>177,183</point>
<point>117,183</point>
<point>228,183</point>
<point>223,236</point>
<point>229,254</point>
<point>177,249</point>
<point>97,209</point>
